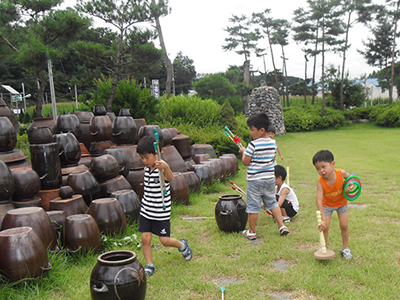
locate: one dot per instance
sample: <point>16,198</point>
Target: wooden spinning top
<point>323,253</point>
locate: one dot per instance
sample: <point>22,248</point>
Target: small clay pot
<point>71,206</point>
<point>69,149</point>
<point>85,184</point>
<point>120,155</point>
<point>66,192</point>
<point>130,204</point>
<point>230,213</point>
<point>117,183</point>
<point>41,135</point>
<point>104,167</point>
<point>149,130</point>
<point>69,123</point>
<point>27,183</point>
<point>8,135</point>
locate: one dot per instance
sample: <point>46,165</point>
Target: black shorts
<point>160,228</point>
<point>288,207</point>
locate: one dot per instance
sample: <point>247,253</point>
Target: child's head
<point>323,156</point>
<point>258,125</point>
<point>145,149</point>
<point>280,171</point>
<point>271,132</point>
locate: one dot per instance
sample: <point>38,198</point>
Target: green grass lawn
<point>253,269</point>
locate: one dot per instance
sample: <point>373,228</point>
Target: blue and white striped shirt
<point>262,152</point>
<point>152,205</point>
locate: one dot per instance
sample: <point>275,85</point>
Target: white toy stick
<point>321,234</point>
<point>287,177</point>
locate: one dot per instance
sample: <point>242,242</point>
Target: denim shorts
<point>258,191</point>
<point>340,210</point>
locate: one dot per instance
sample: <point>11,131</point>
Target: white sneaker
<point>346,253</point>
<point>286,219</point>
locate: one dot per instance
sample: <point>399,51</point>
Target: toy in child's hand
<point>355,191</point>
<point>233,137</point>
<point>160,172</point>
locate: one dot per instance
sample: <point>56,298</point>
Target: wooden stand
<point>323,253</point>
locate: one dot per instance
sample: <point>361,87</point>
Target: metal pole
<point>76,96</point>
<point>52,91</point>
<point>23,95</point>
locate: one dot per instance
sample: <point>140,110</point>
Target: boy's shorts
<point>340,210</point>
<point>160,228</point>
<point>288,206</point>
<point>258,191</point>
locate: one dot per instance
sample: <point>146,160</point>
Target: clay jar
<point>118,275</point>
<point>109,215</point>
<point>8,135</point>
<point>182,144</point>
<point>120,155</point>
<point>69,123</point>
<point>180,189</point>
<point>130,204</point>
<point>230,213</point>
<point>234,161</point>
<point>6,183</point>
<point>22,254</point>
<point>45,161</point>
<point>81,234</point>
<point>71,206</point>
<point>174,159</point>
<point>84,120</point>
<point>42,122</point>
<point>104,167</point>
<point>85,184</point>
<point>203,172</point>
<point>100,125</point>
<point>135,162</point>
<point>36,218</point>
<point>149,130</point>
<point>124,128</point>
<point>114,184</point>
<point>203,149</point>
<point>41,135</point>
<point>69,149</point>
<point>167,136</point>
<point>193,181</point>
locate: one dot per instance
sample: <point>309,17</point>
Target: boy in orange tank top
<point>330,197</point>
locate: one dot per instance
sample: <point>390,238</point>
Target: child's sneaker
<point>286,219</point>
<point>149,269</point>
<point>346,253</point>
<point>186,252</point>
<point>283,230</point>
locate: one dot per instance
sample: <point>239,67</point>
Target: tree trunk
<point>39,103</point>
<point>286,80</point>
<point>116,71</point>
<point>343,62</point>
<point>323,74</point>
<point>246,72</point>
<point>314,69</point>
<point>393,54</point>
<point>167,61</point>
<point>273,64</point>
<point>305,79</point>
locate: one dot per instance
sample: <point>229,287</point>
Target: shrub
<point>358,113</point>
<point>227,116</point>
<point>390,117</point>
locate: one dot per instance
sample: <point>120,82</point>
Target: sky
<point>196,28</point>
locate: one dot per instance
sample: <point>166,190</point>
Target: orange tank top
<point>333,195</point>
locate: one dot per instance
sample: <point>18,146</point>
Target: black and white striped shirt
<point>262,152</point>
<point>152,205</point>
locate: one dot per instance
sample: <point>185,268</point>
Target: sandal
<point>149,269</point>
<point>283,230</point>
<point>250,235</point>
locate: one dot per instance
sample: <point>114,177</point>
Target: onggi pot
<point>118,275</point>
<point>230,213</point>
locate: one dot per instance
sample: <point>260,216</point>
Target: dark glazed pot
<point>199,158</point>
<point>182,144</point>
<point>203,172</point>
<point>221,168</point>
<point>118,275</point>
<point>98,148</point>
<point>104,167</point>
<point>234,161</point>
<point>193,181</point>
<point>130,204</point>
<point>42,122</point>
<point>6,183</point>
<point>109,215</point>
<point>124,128</point>
<point>33,202</point>
<point>203,149</point>
<point>167,136</point>
<point>22,254</point>
<point>174,159</point>
<point>230,169</point>
<point>230,213</point>
<point>135,162</point>
<point>84,120</point>
<point>99,110</point>
<point>36,218</point>
<point>135,179</point>
<point>120,155</point>
<point>85,184</point>
<point>8,135</point>
<point>149,130</point>
<point>41,135</point>
<point>81,234</point>
<point>69,149</point>
<point>71,206</point>
<point>101,128</point>
<point>45,161</point>
<point>180,189</point>
<point>69,123</point>
<point>114,184</point>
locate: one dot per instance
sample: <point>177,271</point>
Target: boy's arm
<point>319,205</point>
<point>279,151</point>
<point>282,196</point>
<point>345,175</point>
<point>162,165</point>
<point>245,159</point>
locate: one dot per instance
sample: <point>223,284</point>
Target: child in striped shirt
<point>259,157</point>
<point>154,219</point>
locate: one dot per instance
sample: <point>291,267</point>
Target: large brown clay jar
<point>109,215</point>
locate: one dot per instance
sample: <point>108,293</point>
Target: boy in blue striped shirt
<point>259,159</point>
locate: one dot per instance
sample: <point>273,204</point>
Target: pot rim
<point>131,256</point>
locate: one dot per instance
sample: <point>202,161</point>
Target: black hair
<point>271,129</point>
<point>259,121</point>
<point>280,171</point>
<point>146,145</point>
<point>323,155</point>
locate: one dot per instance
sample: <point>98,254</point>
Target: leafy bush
<point>128,94</point>
<point>23,144</point>
<point>358,113</point>
<point>376,111</point>
<point>390,117</point>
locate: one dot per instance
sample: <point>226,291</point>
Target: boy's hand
<point>322,226</point>
<point>161,165</point>
<point>281,157</point>
<point>241,150</point>
<point>350,187</point>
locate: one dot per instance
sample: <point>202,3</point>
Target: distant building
<point>374,91</point>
